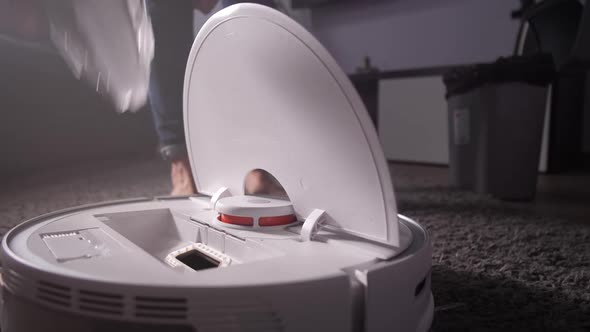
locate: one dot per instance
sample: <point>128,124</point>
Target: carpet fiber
<point>497,266</point>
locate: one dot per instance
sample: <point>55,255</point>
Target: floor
<point>504,266</point>
<point>497,265</point>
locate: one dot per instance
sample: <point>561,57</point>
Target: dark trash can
<point>496,115</point>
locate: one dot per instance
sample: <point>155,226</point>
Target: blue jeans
<point>172,22</point>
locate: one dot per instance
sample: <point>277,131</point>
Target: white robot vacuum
<point>330,253</point>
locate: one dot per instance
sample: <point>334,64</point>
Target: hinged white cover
<point>261,92</point>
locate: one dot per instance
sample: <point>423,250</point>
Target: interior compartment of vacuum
<point>197,260</point>
<point>156,231</point>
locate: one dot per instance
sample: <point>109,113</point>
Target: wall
<point>303,16</point>
<point>417,131</point>
<point>51,119</point>
<point>410,34</point>
<point>401,34</point>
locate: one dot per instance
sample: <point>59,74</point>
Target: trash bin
<point>496,114</point>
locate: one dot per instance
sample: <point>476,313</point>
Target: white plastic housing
<point>261,92</point>
<point>267,281</point>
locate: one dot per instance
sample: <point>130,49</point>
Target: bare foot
<point>260,182</point>
<point>182,178</point>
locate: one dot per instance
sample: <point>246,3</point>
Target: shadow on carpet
<point>501,266</point>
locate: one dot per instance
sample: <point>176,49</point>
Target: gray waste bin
<point>496,114</point>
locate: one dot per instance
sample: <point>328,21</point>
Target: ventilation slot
<point>101,303</point>
<point>13,281</point>
<point>54,294</point>
<point>160,308</point>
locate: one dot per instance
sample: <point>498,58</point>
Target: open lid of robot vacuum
<point>261,92</point>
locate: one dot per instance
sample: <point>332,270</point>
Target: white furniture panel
<point>413,119</point>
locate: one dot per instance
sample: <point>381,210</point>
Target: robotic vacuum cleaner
<point>332,254</point>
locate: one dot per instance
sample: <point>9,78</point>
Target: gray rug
<point>502,266</point>
<point>497,266</point>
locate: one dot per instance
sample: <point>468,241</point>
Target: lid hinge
<point>317,220</point>
<point>312,224</point>
<point>219,194</point>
